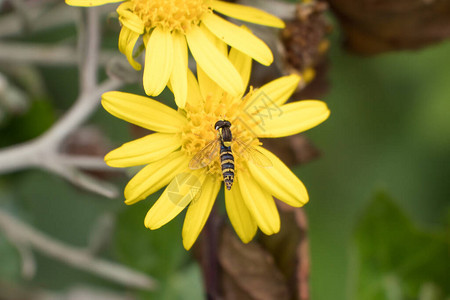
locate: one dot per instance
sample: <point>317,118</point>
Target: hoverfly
<point>224,138</point>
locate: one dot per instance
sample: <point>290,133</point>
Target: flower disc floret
<point>171,15</point>
<point>200,130</point>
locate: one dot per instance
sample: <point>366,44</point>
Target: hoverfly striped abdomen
<point>226,155</point>
<point>227,163</point>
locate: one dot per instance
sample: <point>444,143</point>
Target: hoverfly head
<point>221,124</point>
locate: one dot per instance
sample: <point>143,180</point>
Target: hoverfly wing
<point>253,155</point>
<point>258,158</point>
<point>204,157</point>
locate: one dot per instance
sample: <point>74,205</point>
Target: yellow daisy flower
<point>171,27</point>
<point>181,135</point>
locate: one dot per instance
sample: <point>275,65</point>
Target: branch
<point>84,180</point>
<point>84,106</point>
<point>13,24</point>
<point>48,55</point>
<point>88,163</point>
<point>42,18</point>
<point>13,291</point>
<point>88,48</point>
<point>35,153</point>
<point>43,152</point>
<point>22,11</point>
<point>75,257</point>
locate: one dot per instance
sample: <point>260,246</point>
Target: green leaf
<point>10,262</point>
<point>394,259</point>
<point>156,252</point>
<point>159,253</point>
<point>22,128</point>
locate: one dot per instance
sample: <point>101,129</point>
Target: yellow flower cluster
<point>213,136</point>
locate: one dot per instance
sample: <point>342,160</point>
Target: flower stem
<point>210,248</point>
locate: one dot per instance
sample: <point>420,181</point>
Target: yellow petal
<point>207,86</point>
<point>143,111</point>
<point>218,43</point>
<point>293,118</point>
<point>273,94</point>
<point>130,19</point>
<point>194,97</point>
<point>239,215</point>
<point>279,181</point>
<point>123,39</point>
<point>183,189</point>
<point>242,63</point>
<point>213,62</point>
<point>127,40</point>
<point>247,14</point>
<point>90,2</point>
<point>239,38</point>
<point>199,210</point>
<point>260,204</point>
<point>158,61</point>
<point>154,176</point>
<point>144,150</point>
<point>178,78</point>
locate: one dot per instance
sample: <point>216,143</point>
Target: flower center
<point>200,131</point>
<point>170,14</point>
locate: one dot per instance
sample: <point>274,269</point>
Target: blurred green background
<point>379,192</point>
<point>389,131</point>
